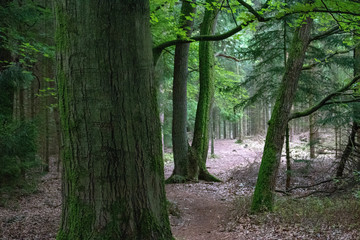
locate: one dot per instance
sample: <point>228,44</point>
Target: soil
<point>198,210</point>
<point>204,208</point>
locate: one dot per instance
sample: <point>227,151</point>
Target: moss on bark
<point>113,186</point>
<point>200,143</point>
<point>263,198</point>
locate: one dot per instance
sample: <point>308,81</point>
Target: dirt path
<point>204,208</point>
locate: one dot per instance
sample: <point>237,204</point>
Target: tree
<point>200,143</point>
<point>18,135</point>
<point>113,183</point>
<point>264,191</point>
<point>351,145</point>
<point>179,120</point>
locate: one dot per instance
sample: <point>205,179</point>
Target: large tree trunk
<point>113,182</point>
<point>264,192</point>
<point>179,120</point>
<point>200,143</point>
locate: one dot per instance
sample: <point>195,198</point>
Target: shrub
<point>18,152</point>
<point>312,212</point>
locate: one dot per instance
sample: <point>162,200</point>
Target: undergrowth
<point>168,157</point>
<point>312,212</point>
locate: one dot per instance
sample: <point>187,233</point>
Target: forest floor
<point>211,211</point>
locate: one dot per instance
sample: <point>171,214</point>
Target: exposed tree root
<point>206,176</point>
<point>176,179</point>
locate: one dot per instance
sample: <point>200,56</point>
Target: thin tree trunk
<point>234,124</point>
<point>288,159</point>
<point>213,128</point>
<point>336,142</point>
<point>348,150</point>
<point>313,136</point>
<point>219,125</point>
<point>240,130</point>
<point>47,135</point>
<point>263,198</point>
<point>58,137</point>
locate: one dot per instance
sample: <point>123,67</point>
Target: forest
<point>179,119</point>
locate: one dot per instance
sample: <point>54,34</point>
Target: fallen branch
<point>314,192</point>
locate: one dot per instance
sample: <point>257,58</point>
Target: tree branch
<point>230,57</point>
<point>324,100</point>
<point>158,49</point>
<point>232,13</point>
<point>310,66</point>
<point>252,10</point>
<point>344,101</point>
<point>317,10</point>
<point>329,32</point>
<point>332,15</point>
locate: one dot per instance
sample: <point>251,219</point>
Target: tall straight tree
<point>265,186</point>
<point>179,120</point>
<point>200,143</point>
<point>112,159</point>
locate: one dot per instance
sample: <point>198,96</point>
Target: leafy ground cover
<point>214,211</point>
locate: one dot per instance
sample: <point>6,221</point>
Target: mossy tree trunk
<point>113,183</point>
<point>179,120</point>
<point>200,143</point>
<point>264,191</point>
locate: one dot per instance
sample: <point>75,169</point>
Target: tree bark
<point>179,120</point>
<point>350,146</point>
<point>312,136</point>
<point>213,129</point>
<point>219,124</point>
<point>200,143</point>
<point>263,198</point>
<point>113,182</point>
<point>288,159</point>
